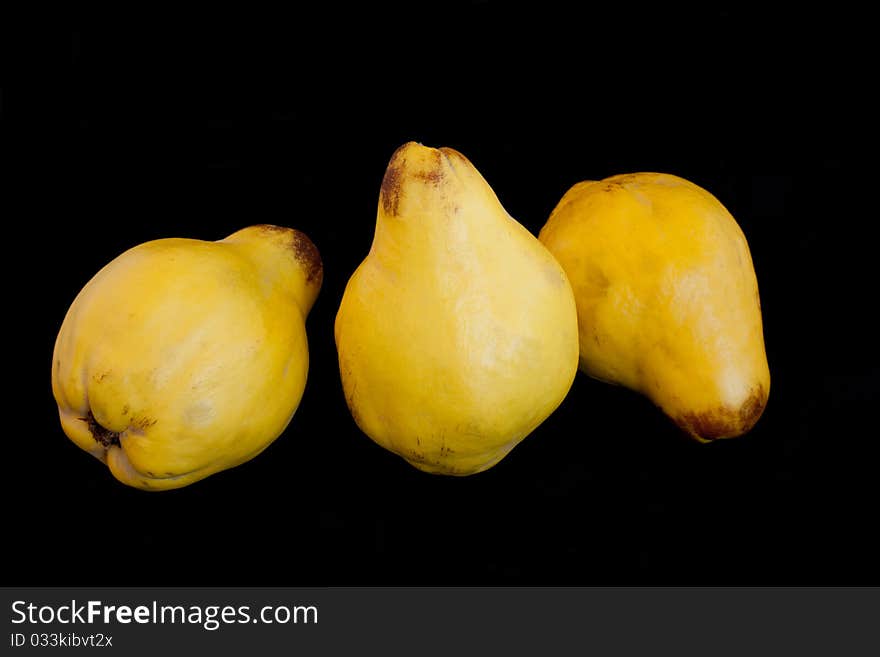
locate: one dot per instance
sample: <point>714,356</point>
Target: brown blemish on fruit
<point>452,154</point>
<point>753,408</point>
<point>125,409</point>
<point>143,423</point>
<point>609,185</point>
<point>272,228</point>
<point>99,433</point>
<point>389,192</point>
<point>708,425</point>
<point>308,256</point>
<point>725,422</point>
<point>304,250</point>
<point>433,176</point>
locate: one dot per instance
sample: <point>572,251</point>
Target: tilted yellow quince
<point>183,357</point>
<point>667,298</point>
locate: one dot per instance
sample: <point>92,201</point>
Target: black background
<point>133,128</point>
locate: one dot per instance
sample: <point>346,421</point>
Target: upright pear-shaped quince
<point>457,335</point>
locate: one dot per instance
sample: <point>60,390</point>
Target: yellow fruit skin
<point>457,335</point>
<point>667,298</point>
<point>187,357</point>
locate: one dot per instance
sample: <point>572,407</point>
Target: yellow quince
<point>667,298</point>
<point>457,335</point>
<point>183,357</point>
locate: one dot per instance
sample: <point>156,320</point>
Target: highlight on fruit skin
<point>667,298</point>
<point>182,358</point>
<point>457,334</point>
